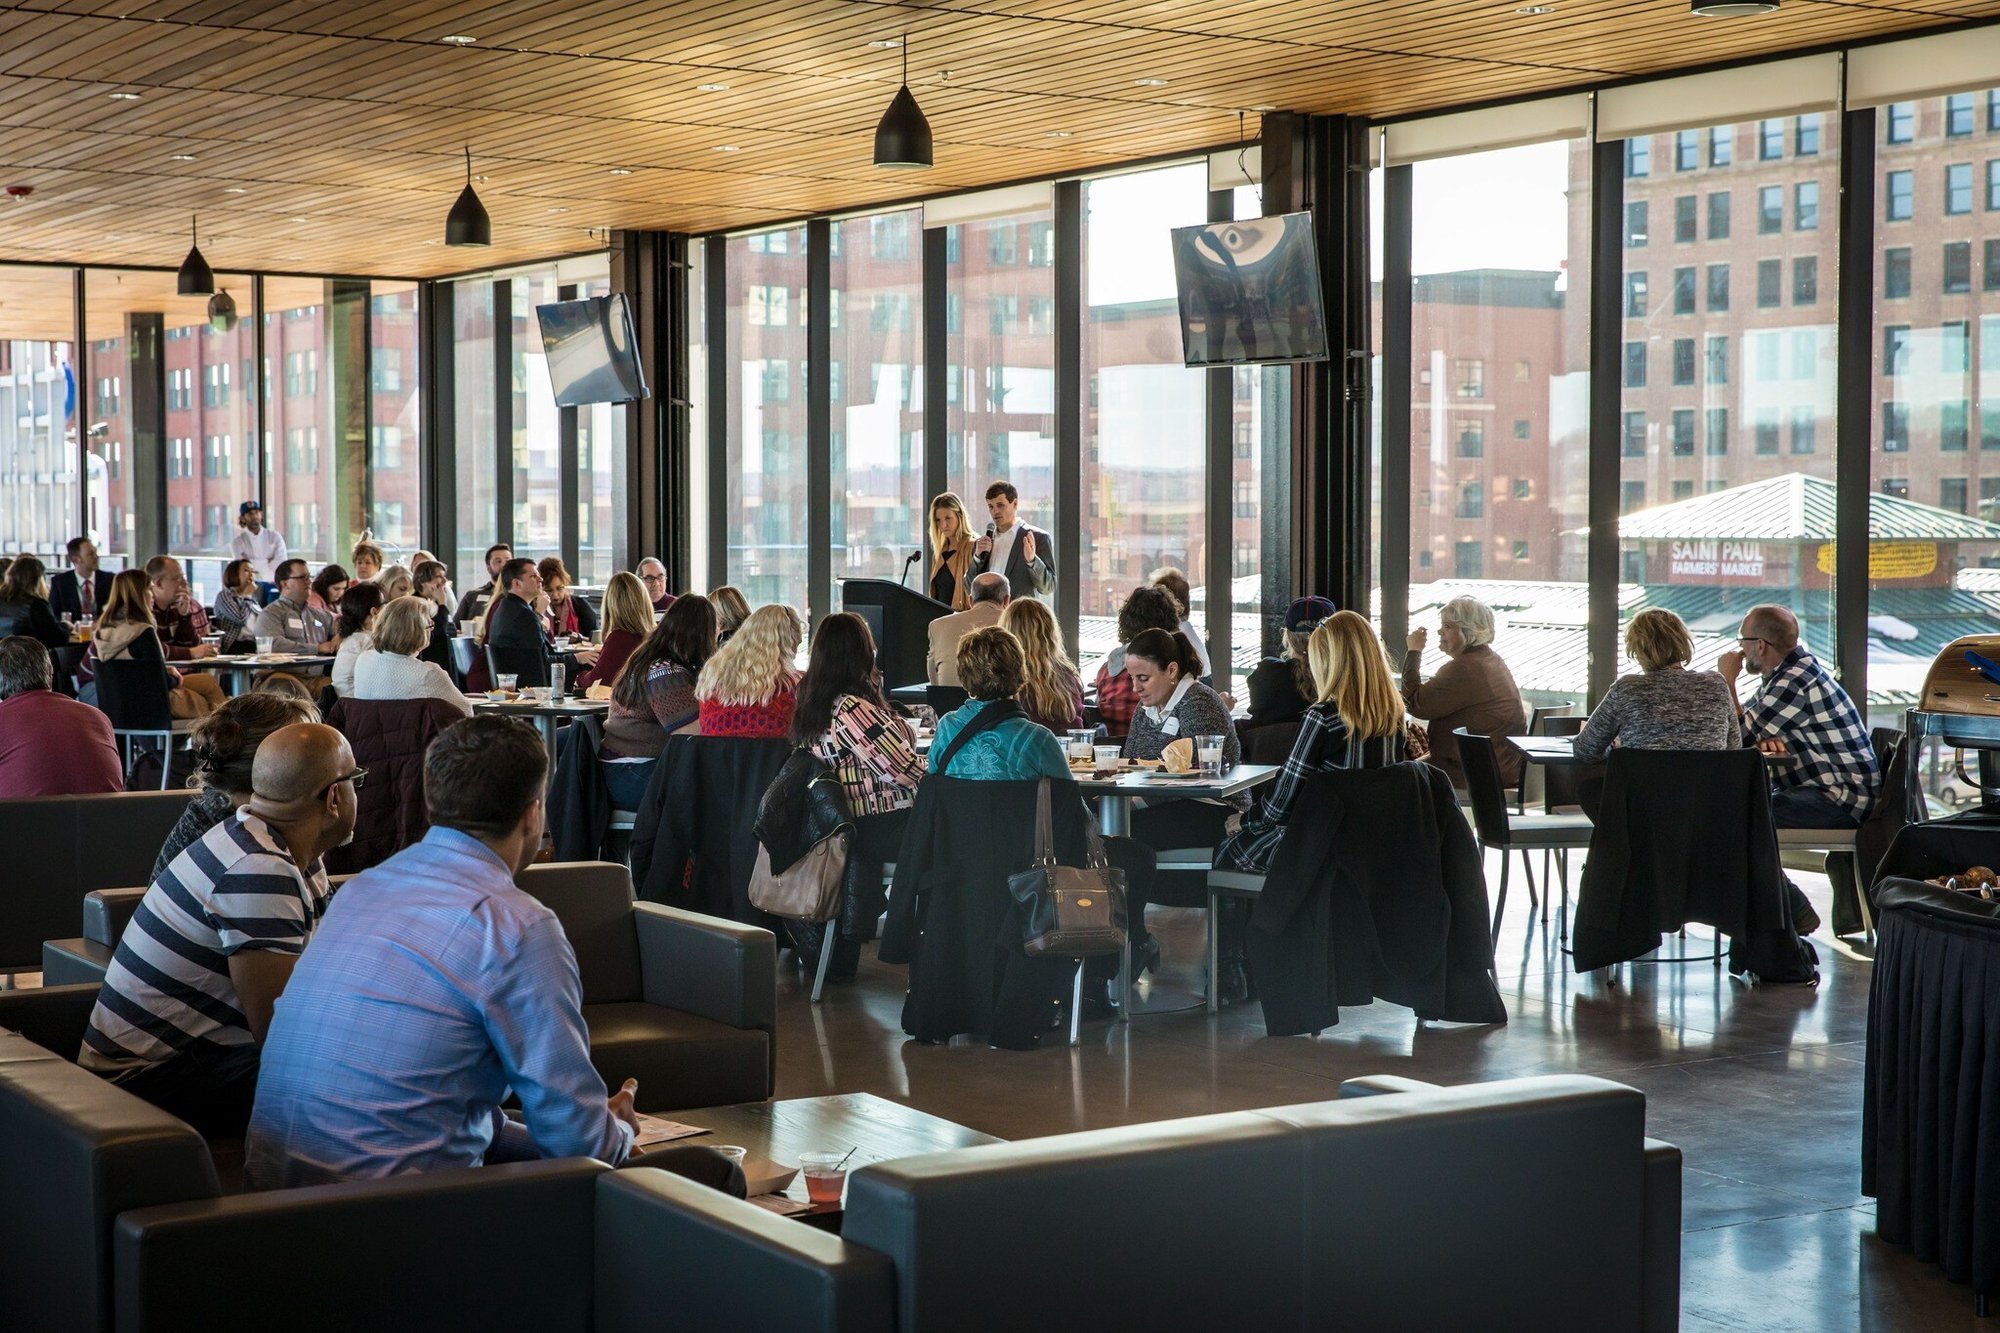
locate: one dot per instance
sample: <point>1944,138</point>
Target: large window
<point>474,392</point>
<point>395,464</point>
<point>1501,520</point>
<point>875,383</point>
<point>316,346</point>
<point>1729,492</point>
<point>45,398</point>
<point>1145,424</point>
<point>767,484</point>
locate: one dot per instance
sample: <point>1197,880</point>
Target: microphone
<point>914,557</point>
<point>988,557</point>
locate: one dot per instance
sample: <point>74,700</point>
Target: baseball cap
<point>247,506</point>
<point>1306,613</point>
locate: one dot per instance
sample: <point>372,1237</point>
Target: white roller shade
<point>1951,62</point>
<point>985,205</point>
<point>1720,97</point>
<point>1510,126</point>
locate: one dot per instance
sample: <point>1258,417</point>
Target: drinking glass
<point>507,681</point>
<point>265,643</point>
<point>825,1178</point>
<point>1105,756</point>
<point>1080,744</point>
<point>1208,752</point>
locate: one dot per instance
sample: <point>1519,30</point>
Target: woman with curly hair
<point>1051,691</point>
<point>751,685</point>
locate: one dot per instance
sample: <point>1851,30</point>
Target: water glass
<point>468,629</point>
<point>507,681</point>
<point>1208,753</point>
<point>1105,757</point>
<point>265,644</point>
<point>1081,744</point>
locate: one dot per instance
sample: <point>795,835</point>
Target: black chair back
<point>945,698</point>
<point>1562,784</point>
<point>1489,793</point>
<point>67,658</point>
<point>527,664</point>
<point>462,657</point>
<point>134,696</point>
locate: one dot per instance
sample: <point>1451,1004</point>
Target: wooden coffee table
<point>878,1130</point>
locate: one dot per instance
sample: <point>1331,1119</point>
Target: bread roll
<point>1178,757</point>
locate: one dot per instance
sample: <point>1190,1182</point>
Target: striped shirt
<point>168,986</point>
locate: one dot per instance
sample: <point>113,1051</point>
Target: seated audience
<point>328,586</point>
<point>396,582</point>
<point>987,596</point>
<point>1281,687</point>
<point>291,622</point>
<point>188,995</point>
<point>1147,608</point>
<point>359,606</point>
<point>393,667</point>
<point>475,603</point>
<point>432,582</point>
<point>1666,706</point>
<point>125,633</point>
<point>80,591</point>
<point>749,688</point>
<point>286,686</point>
<point>367,560</point>
<point>224,748</point>
<point>628,620</point>
<point>178,617</point>
<point>732,608</point>
<point>24,604</point>
<point>1008,746</point>
<point>435,992</point>
<point>1175,581</point>
<point>653,578</point>
<point>445,595</point>
<point>655,694</point>
<point>1051,692</point>
<point>1474,689</point>
<point>50,745</point>
<point>844,719</point>
<point>568,615</point>
<point>238,603</point>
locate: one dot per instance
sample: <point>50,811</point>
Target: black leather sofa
<point>684,1003</point>
<point>1534,1203</point>
<point>71,845</point>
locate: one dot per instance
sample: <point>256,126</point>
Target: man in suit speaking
<point>1025,555</point>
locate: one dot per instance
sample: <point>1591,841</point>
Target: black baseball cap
<point>247,506</point>
<point>1307,613</point>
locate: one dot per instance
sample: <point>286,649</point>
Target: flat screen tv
<point>592,355</point>
<point>1249,292</point>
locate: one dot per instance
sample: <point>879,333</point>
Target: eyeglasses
<point>652,578</point>
<point>1750,638</point>
<point>359,777</point>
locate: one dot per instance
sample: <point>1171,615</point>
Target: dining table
<point>235,671</point>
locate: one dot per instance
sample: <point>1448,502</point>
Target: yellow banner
<point>1889,560</point>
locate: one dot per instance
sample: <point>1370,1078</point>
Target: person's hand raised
<point>1418,638</point>
<point>1027,547</point>
<point>1730,664</point>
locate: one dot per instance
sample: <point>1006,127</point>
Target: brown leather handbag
<point>1066,911</point>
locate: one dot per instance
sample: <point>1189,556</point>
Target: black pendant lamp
<point>196,278</point>
<point>903,139</point>
<point>468,223</point>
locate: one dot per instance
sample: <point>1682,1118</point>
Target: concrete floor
<point>1759,1087</point>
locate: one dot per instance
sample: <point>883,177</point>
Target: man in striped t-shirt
<point>189,992</point>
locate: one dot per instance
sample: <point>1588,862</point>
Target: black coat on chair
<point>953,921</point>
<point>579,803</point>
<point>1683,836</point>
<point>1376,892</point>
<point>692,844</point>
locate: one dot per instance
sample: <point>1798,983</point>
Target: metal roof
<point>1795,508</point>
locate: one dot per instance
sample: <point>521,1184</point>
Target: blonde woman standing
<point>951,551</point>
<point>751,685</point>
<point>1051,691</point>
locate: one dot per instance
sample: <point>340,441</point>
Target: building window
<point>1770,210</point>
<point>1683,432</point>
<point>1717,433</point>
<point>1805,206</point>
<point>1958,187</point>
<point>1471,377</point>
<point>1770,282</point>
<point>1001,245</point>
<point>1770,140</point>
<point>1993,185</point>
<point>1634,435</point>
<point>1471,500</point>
<point>1767,430</point>
<point>1520,428</point>
<point>1899,122</point>
<point>1805,280</point>
<point>1992,275</point>
<point>1468,560</point>
<point>1471,439</point>
<point>1683,490</point>
<point>1683,362</point>
<point>1635,295</point>
<point>1720,145</point>
<point>1638,157</point>
<point>386,447</point>
<point>1635,365</point>
<point>1635,224</point>
<point>1683,291</point>
<point>1520,550</point>
<point>1958,115</point>
<point>1718,216</point>
<point>770,305</point>
<point>1954,341</point>
<point>1764,369</point>
<point>1718,287</point>
<point>1041,244</point>
<point>1895,349</point>
<point>1900,200</point>
<point>1805,135</point>
<point>1952,494</point>
<point>888,236</point>
<point>1958,266</point>
<point>1805,354</point>
<point>1899,487</point>
<point>1687,221</point>
<point>1895,427</point>
<point>1989,434</point>
<point>1805,424</point>
<point>1687,150</point>
<point>1896,272</point>
<point>777,382</point>
<point>1631,497</point>
<point>1718,358</point>
<point>1523,488</point>
<point>1953,425</point>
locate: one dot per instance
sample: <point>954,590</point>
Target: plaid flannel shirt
<point>1321,747</point>
<point>1117,700</point>
<point>1805,707</point>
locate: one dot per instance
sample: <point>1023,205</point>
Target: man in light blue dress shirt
<point>435,987</point>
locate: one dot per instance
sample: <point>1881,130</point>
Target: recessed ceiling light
<point>558,210</point>
<point>621,171</point>
<point>1151,83</point>
<point>482,179</point>
<point>458,39</point>
<point>1731,9</point>
<point>123,97</point>
<point>886,43</point>
<point>1536,9</point>
<point>180,157</point>
<point>727,148</point>
<point>711,87</point>
<point>233,189</point>
<point>1059,134</point>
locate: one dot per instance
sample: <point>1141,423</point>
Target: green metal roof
<point>1795,508</point>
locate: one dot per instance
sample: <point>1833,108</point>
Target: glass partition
<point>45,399</point>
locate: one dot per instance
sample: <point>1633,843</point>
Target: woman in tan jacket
<point>1474,689</point>
<point>951,551</point>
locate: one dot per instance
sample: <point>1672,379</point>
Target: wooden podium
<point>900,619</point>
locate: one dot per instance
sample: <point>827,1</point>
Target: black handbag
<point>1066,911</point>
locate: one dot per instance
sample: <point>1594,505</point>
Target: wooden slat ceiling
<point>328,137</point>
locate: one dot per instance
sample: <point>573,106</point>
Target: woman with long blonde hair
<point>951,551</point>
<point>732,608</point>
<point>629,619</point>
<point>751,685</point>
<point>1051,690</point>
<point>1357,723</point>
